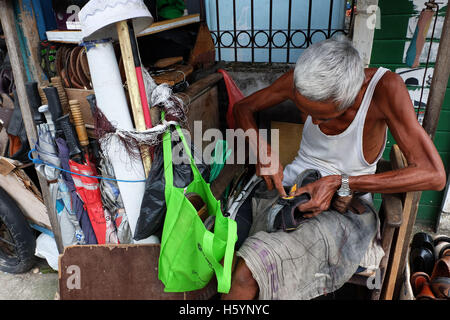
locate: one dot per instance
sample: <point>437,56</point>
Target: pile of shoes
<point>72,67</point>
<point>430,267</point>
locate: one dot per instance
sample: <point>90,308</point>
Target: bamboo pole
<point>440,79</point>
<point>438,89</point>
<point>7,20</point>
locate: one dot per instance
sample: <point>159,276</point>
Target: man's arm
<point>279,91</point>
<point>425,169</point>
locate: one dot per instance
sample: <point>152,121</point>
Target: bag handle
<point>223,274</point>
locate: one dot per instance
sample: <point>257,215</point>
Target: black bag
<point>153,207</point>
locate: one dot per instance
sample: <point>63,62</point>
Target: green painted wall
<point>389,46</point>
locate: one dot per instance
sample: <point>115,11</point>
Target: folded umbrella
<point>76,203</point>
<point>112,200</point>
<point>88,188</point>
<point>60,198</point>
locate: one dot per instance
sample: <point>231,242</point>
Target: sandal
<point>441,244</point>
<point>420,282</point>
<point>440,278</point>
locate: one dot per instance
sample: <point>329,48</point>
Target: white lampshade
<point>98,17</point>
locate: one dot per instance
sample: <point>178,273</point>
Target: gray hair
<point>330,69</point>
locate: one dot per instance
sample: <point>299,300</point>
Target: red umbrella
<point>88,188</point>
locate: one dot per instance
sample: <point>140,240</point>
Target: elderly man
<point>346,111</point>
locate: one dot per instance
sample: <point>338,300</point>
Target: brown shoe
<point>420,282</point>
<point>446,253</point>
<point>440,278</point>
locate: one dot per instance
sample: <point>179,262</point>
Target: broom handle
<point>140,78</point>
<point>133,87</point>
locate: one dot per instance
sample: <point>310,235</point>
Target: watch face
<point>343,193</point>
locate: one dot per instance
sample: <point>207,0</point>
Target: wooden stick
<point>402,236</point>
<point>133,87</point>
<point>140,78</point>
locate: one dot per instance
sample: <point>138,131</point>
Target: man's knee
<point>243,277</point>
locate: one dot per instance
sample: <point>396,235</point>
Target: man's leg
<point>243,285</point>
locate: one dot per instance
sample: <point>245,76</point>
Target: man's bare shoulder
<point>391,92</point>
<point>284,85</point>
<point>394,103</point>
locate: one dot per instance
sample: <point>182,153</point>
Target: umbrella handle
<point>35,101</point>
<point>54,105</point>
<point>71,139</point>
<point>78,121</point>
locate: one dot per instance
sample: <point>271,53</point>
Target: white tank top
<point>336,154</point>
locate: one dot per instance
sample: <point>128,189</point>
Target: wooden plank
<point>203,114</point>
<point>117,272</point>
<point>7,165</point>
<point>179,74</point>
<point>12,43</point>
<point>28,201</point>
<point>199,87</point>
<point>170,24</point>
<point>167,62</point>
<point>203,54</point>
<point>393,208</point>
<point>75,36</point>
<point>27,22</point>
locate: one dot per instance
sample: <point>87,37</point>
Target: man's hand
<point>321,192</point>
<point>341,204</point>
<point>273,178</point>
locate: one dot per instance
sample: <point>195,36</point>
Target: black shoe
<point>289,217</point>
<point>422,257</point>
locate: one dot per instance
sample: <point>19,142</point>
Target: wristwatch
<point>344,190</point>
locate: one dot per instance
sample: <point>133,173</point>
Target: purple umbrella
<point>77,203</point>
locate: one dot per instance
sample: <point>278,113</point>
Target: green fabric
<point>220,156</point>
<point>170,9</point>
<point>190,255</point>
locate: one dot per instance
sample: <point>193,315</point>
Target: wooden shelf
<point>74,36</point>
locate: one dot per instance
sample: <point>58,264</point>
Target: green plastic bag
<point>190,254</point>
<point>170,9</point>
